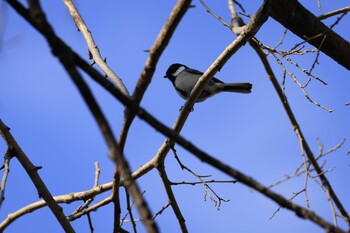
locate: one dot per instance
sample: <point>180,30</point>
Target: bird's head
<point>174,70</point>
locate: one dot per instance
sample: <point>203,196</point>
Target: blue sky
<point>252,133</point>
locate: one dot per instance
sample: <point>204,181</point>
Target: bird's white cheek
<point>178,71</point>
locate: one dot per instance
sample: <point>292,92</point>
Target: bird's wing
<point>193,71</point>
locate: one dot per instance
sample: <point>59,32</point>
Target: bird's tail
<point>237,87</point>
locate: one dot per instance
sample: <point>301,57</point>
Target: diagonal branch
<point>155,52</point>
<point>32,172</point>
<point>158,161</point>
<point>6,167</point>
<point>122,166</point>
<point>69,198</point>
<point>298,131</point>
<point>38,20</point>
<point>293,16</point>
<point>144,115</point>
<point>171,196</point>
<point>93,49</point>
<point>333,13</point>
<point>257,20</point>
<point>303,142</point>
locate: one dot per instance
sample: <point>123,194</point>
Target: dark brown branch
<point>32,172</point>
<point>115,152</point>
<point>158,161</point>
<point>37,18</point>
<point>129,208</point>
<point>116,201</point>
<point>155,52</point>
<point>172,200</point>
<point>293,16</point>
<point>298,131</point>
<point>301,212</point>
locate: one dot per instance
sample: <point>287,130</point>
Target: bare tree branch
<point>293,16</point>
<point>155,52</point>
<point>297,130</point>
<point>333,13</point>
<point>93,49</point>
<point>64,54</point>
<point>172,199</point>
<point>32,172</point>
<point>6,167</point>
<point>173,136</point>
<point>129,211</point>
<point>69,198</point>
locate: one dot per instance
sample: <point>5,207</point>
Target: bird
<point>184,79</point>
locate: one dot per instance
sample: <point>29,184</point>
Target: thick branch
<point>199,153</point>
<point>37,18</point>
<point>122,165</point>
<point>155,52</point>
<point>293,16</point>
<point>32,172</point>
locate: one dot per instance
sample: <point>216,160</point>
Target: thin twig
<point>172,199</point>
<point>97,174</point>
<point>89,200</point>
<point>297,130</point>
<point>90,222</point>
<point>239,5</point>
<point>299,172</point>
<point>208,190</point>
<point>280,42</point>
<point>161,210</point>
<point>302,86</point>
<point>215,15</point>
<point>206,181</point>
<point>91,208</point>
<point>127,214</point>
<point>202,155</point>
<point>6,167</point>
<point>93,49</point>
<point>333,13</point>
<point>129,206</point>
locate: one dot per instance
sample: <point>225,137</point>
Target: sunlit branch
<point>333,13</point>
<point>32,172</point>
<point>93,48</point>
<point>6,168</point>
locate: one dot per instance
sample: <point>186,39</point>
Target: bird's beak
<point>166,76</point>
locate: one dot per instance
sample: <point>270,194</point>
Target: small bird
<point>184,79</point>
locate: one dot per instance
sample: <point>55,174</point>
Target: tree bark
<point>292,15</point>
